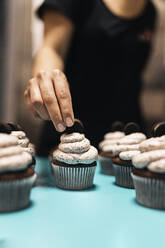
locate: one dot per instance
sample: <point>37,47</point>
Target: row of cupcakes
<point>138,162</point>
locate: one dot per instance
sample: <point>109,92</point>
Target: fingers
<point>36,99</point>
<point>48,96</point>
<point>63,97</point>
<point>50,100</point>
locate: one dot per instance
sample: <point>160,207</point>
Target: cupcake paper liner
<point>75,178</point>
<point>106,165</point>
<point>15,194</point>
<point>123,176</point>
<point>150,192</point>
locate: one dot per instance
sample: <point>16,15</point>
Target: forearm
<point>47,59</point>
<point>126,8</point>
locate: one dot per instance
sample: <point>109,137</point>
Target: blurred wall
<point>24,36</point>
<point>153,95</point>
<point>17,63</point>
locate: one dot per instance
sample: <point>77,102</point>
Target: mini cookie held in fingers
<point>77,127</point>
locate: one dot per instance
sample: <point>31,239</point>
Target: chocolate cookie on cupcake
<point>123,151</point>
<point>106,146</point>
<point>74,161</point>
<point>149,172</point>
<point>16,175</point>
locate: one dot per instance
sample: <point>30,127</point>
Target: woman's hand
<point>48,96</point>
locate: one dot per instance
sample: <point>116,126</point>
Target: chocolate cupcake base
<point>150,192</point>
<point>73,177</point>
<point>15,193</point>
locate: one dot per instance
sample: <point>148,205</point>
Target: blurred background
<point>21,36</point>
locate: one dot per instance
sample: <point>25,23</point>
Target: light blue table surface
<point>106,216</point>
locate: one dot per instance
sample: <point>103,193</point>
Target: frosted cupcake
<point>149,173</point>
<point>16,174</point>
<point>106,147</point>
<point>74,162</point>
<point>123,151</point>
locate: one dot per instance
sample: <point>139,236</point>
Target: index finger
<point>63,96</point>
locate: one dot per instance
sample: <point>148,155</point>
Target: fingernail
<point>69,122</point>
<point>60,127</point>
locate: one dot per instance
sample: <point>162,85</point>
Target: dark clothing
<point>104,65</point>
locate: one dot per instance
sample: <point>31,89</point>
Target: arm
<point>47,93</point>
<point>126,8</point>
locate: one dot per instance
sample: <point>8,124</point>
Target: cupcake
<point>149,173</point>
<point>123,151</point>
<point>74,162</point>
<point>105,153</point>
<point>16,174</point>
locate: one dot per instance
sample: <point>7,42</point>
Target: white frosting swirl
<point>152,156</point>
<point>74,150</point>
<point>73,137</point>
<point>15,162</point>
<point>128,155</point>
<point>75,147</point>
<point>23,141</point>
<point>110,139</point>
<point>157,166</point>
<point>128,146</point>
<point>19,134</point>
<point>134,138</point>
<point>7,140</point>
<point>12,156</point>
<point>143,159</point>
<point>123,148</point>
<point>114,135</point>
<point>11,150</point>
<point>152,144</point>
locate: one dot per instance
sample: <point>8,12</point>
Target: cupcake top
<point>74,149</point>
<point>152,155</point>
<point>114,135</point>
<point>12,156</point>
<point>128,146</point>
<point>110,139</point>
<point>23,141</point>
<point>152,144</point>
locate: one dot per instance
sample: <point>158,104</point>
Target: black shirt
<point>104,65</point>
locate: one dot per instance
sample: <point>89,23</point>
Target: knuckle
<point>59,73</point>
<point>63,94</point>
<point>41,74</point>
<point>48,100</point>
